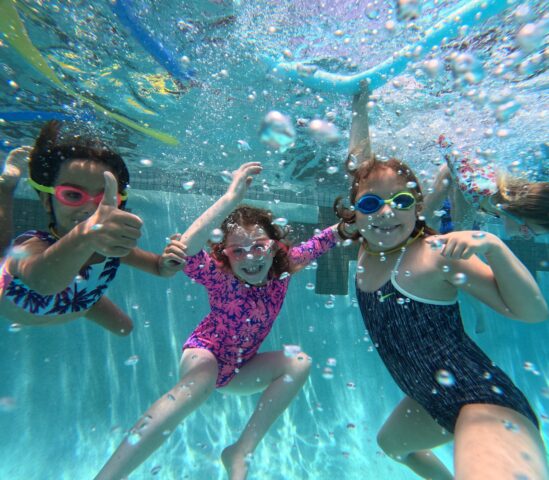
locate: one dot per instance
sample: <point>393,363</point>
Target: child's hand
<point>348,228</point>
<point>242,178</point>
<point>464,244</point>
<point>173,257</point>
<point>19,157</point>
<point>15,165</point>
<point>112,232</point>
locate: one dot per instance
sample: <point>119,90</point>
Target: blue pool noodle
<point>377,76</point>
<point>158,51</point>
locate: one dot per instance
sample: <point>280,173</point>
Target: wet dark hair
<point>528,200</point>
<point>248,216</point>
<point>52,149</point>
<point>361,173</point>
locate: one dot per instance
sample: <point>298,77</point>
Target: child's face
<point>84,175</point>
<point>250,252</point>
<point>389,226</point>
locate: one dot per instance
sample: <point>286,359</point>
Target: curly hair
<point>248,216</point>
<point>360,173</point>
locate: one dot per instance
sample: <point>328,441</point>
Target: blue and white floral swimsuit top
<point>84,292</point>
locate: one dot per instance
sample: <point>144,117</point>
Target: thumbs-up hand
<point>110,231</point>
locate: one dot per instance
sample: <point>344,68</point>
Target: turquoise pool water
<point>68,394</point>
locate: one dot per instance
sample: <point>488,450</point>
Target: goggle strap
<point>51,190</point>
<point>40,188</point>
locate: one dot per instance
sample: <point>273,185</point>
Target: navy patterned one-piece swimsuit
<point>425,348</point>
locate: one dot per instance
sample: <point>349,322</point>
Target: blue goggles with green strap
<point>371,203</point>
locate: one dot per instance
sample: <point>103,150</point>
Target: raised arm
<point>198,233</point>
<point>302,255</point>
<point>359,141</point>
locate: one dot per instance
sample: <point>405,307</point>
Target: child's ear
<point>45,200</point>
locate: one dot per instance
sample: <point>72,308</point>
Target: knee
<point>387,443</point>
<point>201,380</point>
<point>125,329</point>
<point>299,367</point>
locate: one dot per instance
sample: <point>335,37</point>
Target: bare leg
<point>283,376</point>
<point>9,178</point>
<point>497,443</point>
<point>109,316</point>
<point>408,436</point>
<point>198,377</point>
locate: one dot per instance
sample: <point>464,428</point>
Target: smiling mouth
<point>385,229</point>
<point>252,270</point>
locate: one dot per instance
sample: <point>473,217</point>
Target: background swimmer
<point>474,185</point>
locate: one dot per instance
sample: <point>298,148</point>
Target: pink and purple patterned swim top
<point>242,315</point>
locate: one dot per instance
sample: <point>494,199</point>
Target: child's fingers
<point>177,244</point>
<point>176,251</point>
<point>467,253</point>
<point>250,164</point>
<point>448,248</point>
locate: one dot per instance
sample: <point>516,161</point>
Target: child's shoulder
<point>426,254</point>
<point>34,235</point>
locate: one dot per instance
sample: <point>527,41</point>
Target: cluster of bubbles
<point>292,351</point>
<point>328,372</point>
<point>277,131</point>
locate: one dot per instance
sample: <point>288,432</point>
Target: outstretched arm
<point>198,233</point>
<point>359,142</point>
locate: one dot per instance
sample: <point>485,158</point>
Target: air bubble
<point>445,378</point>
<point>132,360</point>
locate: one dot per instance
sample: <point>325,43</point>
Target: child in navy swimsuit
<point>246,274</point>
<point>407,284</point>
<point>53,277</point>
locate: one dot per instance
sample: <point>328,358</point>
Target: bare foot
<point>15,166</point>
<point>236,463</point>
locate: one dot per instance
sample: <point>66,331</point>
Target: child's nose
<point>90,206</point>
<point>386,210</point>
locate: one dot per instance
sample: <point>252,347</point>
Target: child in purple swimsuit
<point>247,275</point>
<point>53,277</point>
